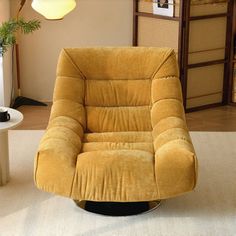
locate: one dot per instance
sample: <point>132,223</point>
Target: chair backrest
<point>116,84</point>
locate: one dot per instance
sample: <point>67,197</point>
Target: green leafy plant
<point>9,30</point>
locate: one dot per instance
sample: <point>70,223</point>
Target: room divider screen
<point>233,58</point>
<point>200,31</point>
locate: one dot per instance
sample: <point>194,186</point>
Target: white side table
<point>16,119</point>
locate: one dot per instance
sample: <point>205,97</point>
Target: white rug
<point>209,210</point>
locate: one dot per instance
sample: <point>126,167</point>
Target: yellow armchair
<point>117,129</point>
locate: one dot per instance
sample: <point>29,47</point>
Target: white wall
<point>92,23</point>
<point>6,65</point>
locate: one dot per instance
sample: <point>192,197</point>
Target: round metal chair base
<point>118,208</point>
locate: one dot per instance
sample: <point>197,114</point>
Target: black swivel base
<point>118,208</point>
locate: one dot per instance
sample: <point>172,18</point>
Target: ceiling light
<point>53,9</point>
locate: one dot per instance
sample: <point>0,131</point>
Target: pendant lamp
<point>53,9</point>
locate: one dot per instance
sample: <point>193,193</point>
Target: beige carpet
<point>209,210</point>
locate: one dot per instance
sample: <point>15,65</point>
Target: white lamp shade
<point>53,9</point>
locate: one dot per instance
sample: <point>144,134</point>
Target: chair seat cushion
<point>115,175</point>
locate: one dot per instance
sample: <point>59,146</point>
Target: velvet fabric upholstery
<point>117,130</point>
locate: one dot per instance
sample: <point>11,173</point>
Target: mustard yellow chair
<point>117,129</point>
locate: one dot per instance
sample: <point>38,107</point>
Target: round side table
<point>16,119</point>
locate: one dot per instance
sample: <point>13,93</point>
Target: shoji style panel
<point>199,32</point>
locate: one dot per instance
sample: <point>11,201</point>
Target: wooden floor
<point>215,119</point>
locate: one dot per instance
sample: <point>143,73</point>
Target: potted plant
<point>9,30</point>
<point>8,37</point>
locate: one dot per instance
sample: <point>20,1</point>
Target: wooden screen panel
<point>207,40</point>
<point>204,56</point>
<point>158,33</point>
<point>234,83</point>
<point>205,85</point>
<point>198,8</point>
<point>207,34</point>
<point>145,7</point>
<point>205,100</point>
<point>148,7</point>
<point>207,9</point>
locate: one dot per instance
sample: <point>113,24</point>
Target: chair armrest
<point>57,155</point>
<point>175,159</point>
<point>64,136</point>
<point>56,158</point>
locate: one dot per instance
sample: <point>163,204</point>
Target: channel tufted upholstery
<point>117,129</point>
